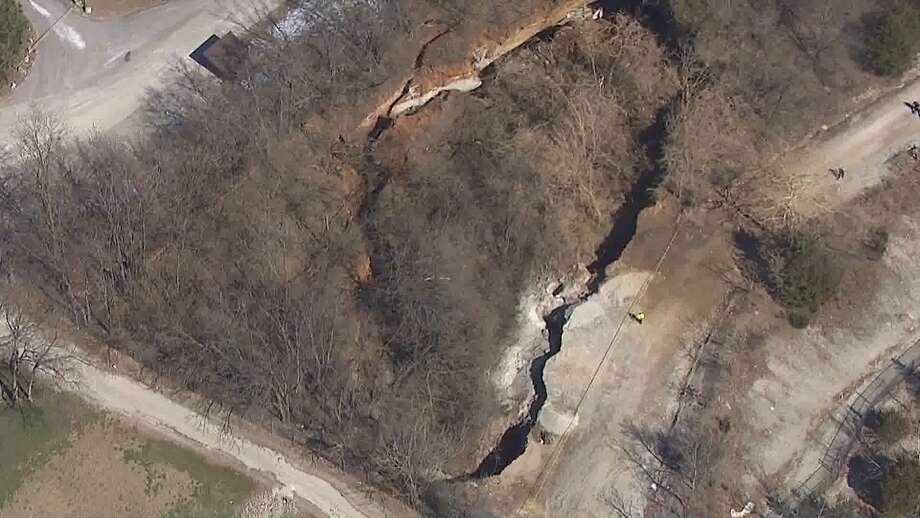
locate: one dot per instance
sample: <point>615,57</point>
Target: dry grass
<point>67,461</point>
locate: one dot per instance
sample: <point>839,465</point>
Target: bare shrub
<point>29,356</point>
<point>788,63</point>
<point>899,495</point>
<point>672,465</point>
<point>218,249</point>
<point>889,426</point>
<point>585,149</point>
<point>708,146</point>
<point>891,39</point>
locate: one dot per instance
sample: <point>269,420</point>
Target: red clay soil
<point>466,58</point>
<point>471,56</point>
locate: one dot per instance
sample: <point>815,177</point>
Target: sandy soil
<point>784,385</point>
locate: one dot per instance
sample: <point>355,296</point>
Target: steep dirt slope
<point>467,58</point>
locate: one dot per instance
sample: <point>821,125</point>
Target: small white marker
<point>39,9</point>
<point>70,35</point>
<point>120,55</point>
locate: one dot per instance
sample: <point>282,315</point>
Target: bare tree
<point>29,356</point>
<point>42,140</point>
<point>588,140</point>
<point>621,505</point>
<point>671,465</point>
<point>217,250</point>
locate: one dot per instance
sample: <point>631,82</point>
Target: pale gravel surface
<point>807,374</point>
<point>788,404</point>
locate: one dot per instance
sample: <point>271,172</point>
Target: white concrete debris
<point>293,23</point>
<point>269,504</point>
<point>413,100</point>
<point>745,511</point>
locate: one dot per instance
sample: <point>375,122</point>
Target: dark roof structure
<point>223,57</point>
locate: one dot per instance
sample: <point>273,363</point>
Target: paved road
<point>80,71</point>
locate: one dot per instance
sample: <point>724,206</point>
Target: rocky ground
<point>611,368</point>
<point>804,376</point>
<point>773,388</point>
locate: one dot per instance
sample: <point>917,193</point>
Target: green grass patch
<point>32,436</point>
<point>804,276</point>
<point>14,34</point>
<point>219,491</point>
<point>893,39</point>
<point>900,497</point>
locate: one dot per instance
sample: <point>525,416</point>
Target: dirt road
<point>125,396</point>
<point>861,145</point>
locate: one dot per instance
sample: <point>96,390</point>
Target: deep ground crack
<point>513,442</point>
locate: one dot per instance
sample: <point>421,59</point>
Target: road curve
<point>81,72</point>
<point>122,395</point>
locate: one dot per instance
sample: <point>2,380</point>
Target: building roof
<point>223,57</point>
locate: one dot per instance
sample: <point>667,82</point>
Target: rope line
<point>554,456</point>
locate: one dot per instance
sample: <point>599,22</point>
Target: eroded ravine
<point>513,442</point>
<point>424,85</point>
